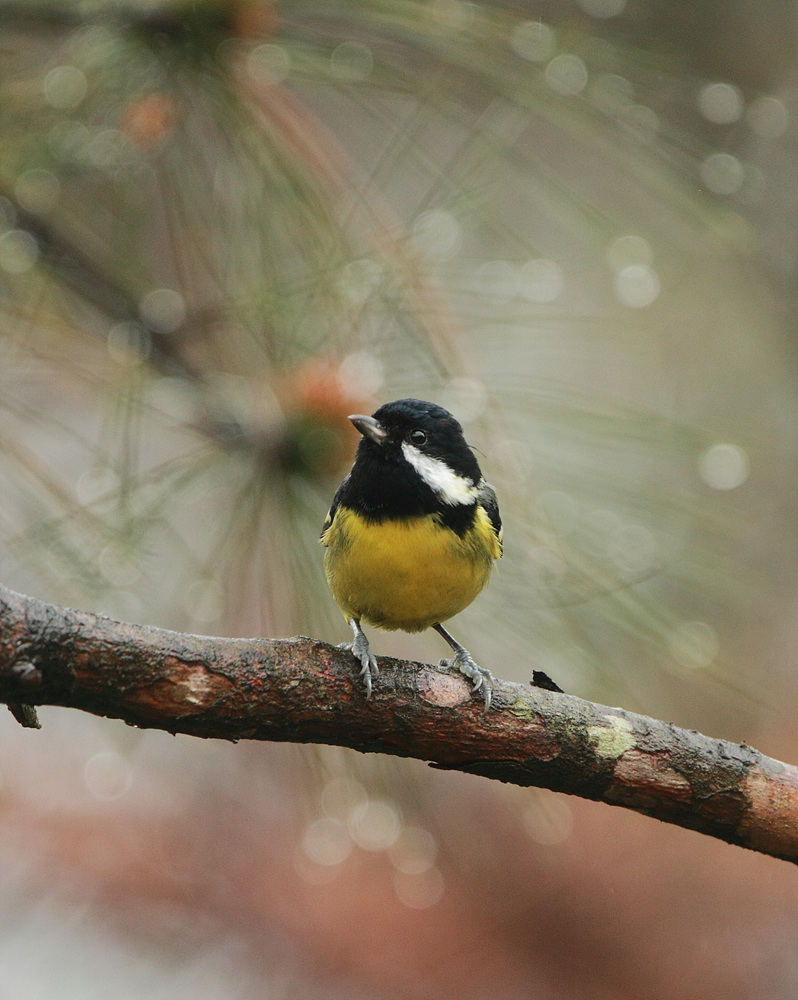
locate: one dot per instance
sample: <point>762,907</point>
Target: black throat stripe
<point>459,518</point>
<point>385,491</point>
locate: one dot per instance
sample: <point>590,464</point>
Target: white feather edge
<point>450,487</point>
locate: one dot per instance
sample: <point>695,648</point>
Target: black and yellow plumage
<point>413,530</point>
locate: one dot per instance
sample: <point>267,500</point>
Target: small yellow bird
<point>413,531</point>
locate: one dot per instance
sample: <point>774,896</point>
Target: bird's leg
<point>464,662</point>
<point>360,647</point>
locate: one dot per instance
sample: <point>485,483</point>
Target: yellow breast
<point>406,574</point>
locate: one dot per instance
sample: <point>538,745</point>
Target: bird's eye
<point>418,437</point>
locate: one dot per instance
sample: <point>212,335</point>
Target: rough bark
<point>304,691</point>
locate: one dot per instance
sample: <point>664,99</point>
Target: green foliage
<point>226,225</point>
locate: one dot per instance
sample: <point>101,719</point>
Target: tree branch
<point>304,691</point>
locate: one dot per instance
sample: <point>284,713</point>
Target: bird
<point>412,533</point>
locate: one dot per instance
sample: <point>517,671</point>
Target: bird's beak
<point>369,427</point>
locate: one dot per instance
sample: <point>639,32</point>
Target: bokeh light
<point>108,776</point>
<point>19,251</point>
<point>163,310</point>
<point>694,645</point>
<point>722,173</point>
<point>129,343</point>
<point>414,851</point>
<point>724,466</point>
<point>626,251</point>
<point>721,103</point>
<point>352,62</point>
<point>326,842</point>
<point>269,64</point>
<point>65,87</point>
<point>640,122</point>
<point>419,890</point>
<point>37,190</point>
<point>637,286</point>
<point>437,235</point>
<point>768,117</point>
<point>566,74</point>
<point>534,40</point>
<point>548,818</point>
<point>375,825</point>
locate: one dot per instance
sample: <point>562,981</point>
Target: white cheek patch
<point>450,487</point>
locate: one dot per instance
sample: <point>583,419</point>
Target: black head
<point>413,458</point>
<point>426,428</point>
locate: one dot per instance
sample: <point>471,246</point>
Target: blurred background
<point>225,225</point>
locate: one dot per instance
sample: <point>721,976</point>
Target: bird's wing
<point>328,520</point>
<point>489,502</point>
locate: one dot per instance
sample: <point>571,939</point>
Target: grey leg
<point>360,648</point>
<point>464,662</point>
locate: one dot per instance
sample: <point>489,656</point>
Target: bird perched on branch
<point>413,531</point>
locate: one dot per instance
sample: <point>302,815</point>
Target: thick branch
<point>303,691</point>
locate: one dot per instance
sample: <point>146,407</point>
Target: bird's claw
<point>368,661</point>
<point>481,678</point>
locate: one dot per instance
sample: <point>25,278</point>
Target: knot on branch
<point>186,688</point>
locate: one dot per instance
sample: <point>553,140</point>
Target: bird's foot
<point>368,661</point>
<point>481,678</point>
